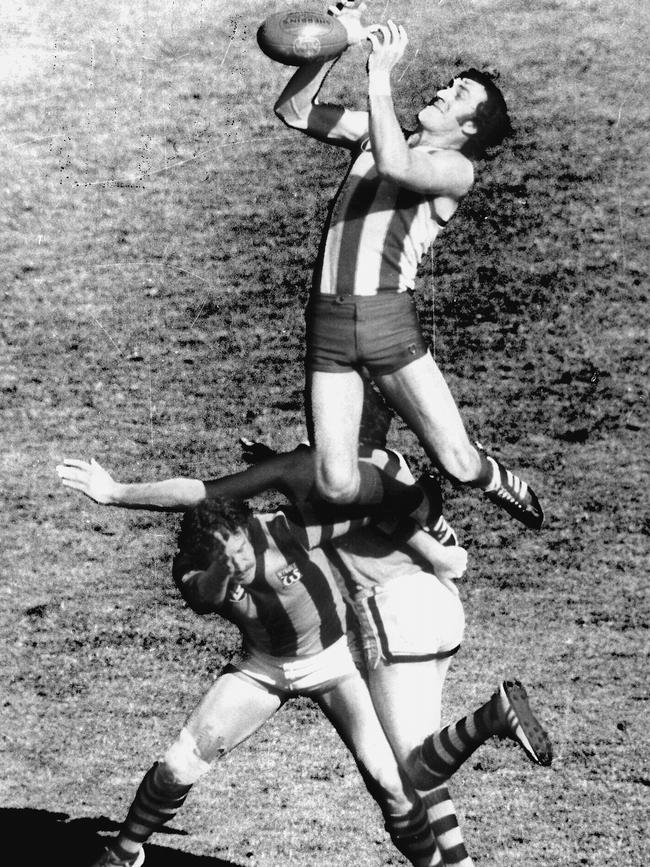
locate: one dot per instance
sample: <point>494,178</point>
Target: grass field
<point>158,227</point>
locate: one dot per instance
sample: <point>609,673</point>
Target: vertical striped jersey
<point>376,234</point>
<point>293,606</point>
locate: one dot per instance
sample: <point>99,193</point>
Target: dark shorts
<point>347,332</point>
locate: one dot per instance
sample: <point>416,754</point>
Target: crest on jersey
<point>289,575</point>
<point>236,593</point>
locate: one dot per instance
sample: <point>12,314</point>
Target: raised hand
<point>349,14</point>
<point>89,478</point>
<point>254,452</point>
<point>388,43</point>
<point>451,564</point>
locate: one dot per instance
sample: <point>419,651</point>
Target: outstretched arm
<point>290,473</point>
<point>442,173</point>
<point>298,106</point>
<point>173,495</point>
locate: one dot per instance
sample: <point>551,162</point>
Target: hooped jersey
<point>376,235</point>
<point>293,606</point>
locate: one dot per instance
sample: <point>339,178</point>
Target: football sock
<point>156,802</point>
<point>413,837</point>
<point>378,488</point>
<point>444,751</point>
<point>379,495</point>
<point>444,824</point>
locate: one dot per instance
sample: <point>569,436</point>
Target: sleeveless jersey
<point>293,606</point>
<point>376,234</point>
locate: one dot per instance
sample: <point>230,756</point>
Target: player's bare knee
<point>337,485</point>
<point>183,764</point>
<point>387,786</point>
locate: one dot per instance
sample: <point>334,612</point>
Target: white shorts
<point>410,618</point>
<point>293,674</point>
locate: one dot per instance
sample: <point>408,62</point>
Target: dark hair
<point>492,121</point>
<point>198,547</point>
<point>376,417</point>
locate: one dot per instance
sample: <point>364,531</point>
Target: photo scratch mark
<point>230,42</point>
<point>150,407</point>
<point>408,65</point>
<point>136,181</point>
<point>99,325</point>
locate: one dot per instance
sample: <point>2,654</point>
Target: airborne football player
<point>398,196</point>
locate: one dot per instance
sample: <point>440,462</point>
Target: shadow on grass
<point>43,837</point>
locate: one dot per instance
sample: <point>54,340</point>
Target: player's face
<point>240,556</point>
<point>453,106</point>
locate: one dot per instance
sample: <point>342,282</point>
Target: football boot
<point>513,495</point>
<point>517,722</point>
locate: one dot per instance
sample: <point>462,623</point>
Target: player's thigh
<point>420,394</point>
<point>229,712</point>
<point>407,697</point>
<point>336,401</point>
<point>349,708</point>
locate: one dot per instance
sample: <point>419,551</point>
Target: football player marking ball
<point>298,36</point>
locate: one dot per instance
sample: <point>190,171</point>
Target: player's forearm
<point>170,495</point>
<point>425,545</point>
<point>389,147</point>
<point>447,562</point>
<point>296,101</point>
<point>290,473</point>
<point>203,590</point>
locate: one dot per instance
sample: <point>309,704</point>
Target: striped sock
<point>443,752</point>
<point>444,824</point>
<point>413,837</point>
<point>155,803</point>
<point>386,494</point>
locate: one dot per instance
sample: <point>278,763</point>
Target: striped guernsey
<point>376,235</point>
<point>293,606</point>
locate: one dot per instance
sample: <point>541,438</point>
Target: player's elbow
<point>391,169</point>
<point>287,113</point>
<point>190,582</point>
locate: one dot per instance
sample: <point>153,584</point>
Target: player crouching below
<point>259,572</point>
<point>243,566</point>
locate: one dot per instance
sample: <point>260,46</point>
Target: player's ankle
<point>127,853</point>
<point>488,476</point>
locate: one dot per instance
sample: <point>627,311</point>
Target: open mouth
<point>436,102</point>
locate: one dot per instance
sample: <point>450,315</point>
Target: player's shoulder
<point>457,167</point>
<point>267,529</point>
<point>289,525</point>
<point>390,461</point>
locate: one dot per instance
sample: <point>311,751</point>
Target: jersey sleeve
<point>203,592</point>
<point>314,527</point>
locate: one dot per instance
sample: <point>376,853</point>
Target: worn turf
<point>158,228</point>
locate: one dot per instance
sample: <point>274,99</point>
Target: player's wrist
<point>379,83</point>
<point>115,494</point>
